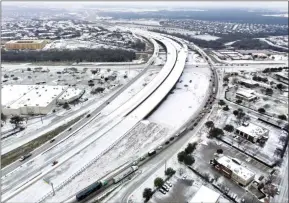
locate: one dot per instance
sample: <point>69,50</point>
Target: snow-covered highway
<point>106,131</point>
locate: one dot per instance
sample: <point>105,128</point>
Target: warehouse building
<point>25,44</point>
<point>232,168</point>
<point>205,195</point>
<point>245,94</point>
<point>252,132</point>
<point>30,100</point>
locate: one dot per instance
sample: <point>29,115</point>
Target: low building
<point>205,195</point>
<point>70,95</point>
<point>25,44</point>
<point>252,132</point>
<point>248,83</point>
<point>30,100</point>
<point>282,76</point>
<point>245,94</point>
<point>232,168</point>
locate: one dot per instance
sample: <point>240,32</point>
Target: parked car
<point>169,184</point>
<point>162,191</point>
<point>165,188</point>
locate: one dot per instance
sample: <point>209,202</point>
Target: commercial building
<point>70,95</point>
<point>30,100</point>
<point>245,94</point>
<point>248,83</point>
<point>25,44</point>
<point>282,76</point>
<point>252,132</point>
<point>232,168</point>
<point>205,195</point>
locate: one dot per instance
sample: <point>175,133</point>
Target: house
<point>252,132</point>
<point>232,168</point>
<point>205,195</point>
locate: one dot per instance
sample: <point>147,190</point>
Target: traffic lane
<point>44,147</point>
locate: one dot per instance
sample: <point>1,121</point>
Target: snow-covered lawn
<point>206,37</point>
<point>195,59</point>
<point>184,100</point>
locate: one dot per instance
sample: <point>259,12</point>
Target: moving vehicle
<point>160,147</point>
<point>89,190</point>
<point>152,152</point>
<point>54,163</point>
<point>52,140</point>
<point>124,174</point>
<point>88,115</point>
<point>26,156</point>
<point>69,129</point>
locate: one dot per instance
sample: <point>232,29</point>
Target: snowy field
<point>206,37</point>
<point>73,44</point>
<point>184,100</point>
<point>195,59</point>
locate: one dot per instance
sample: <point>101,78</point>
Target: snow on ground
<point>206,37</point>
<point>184,100</point>
<point>73,44</point>
<point>195,59</point>
<point>134,144</point>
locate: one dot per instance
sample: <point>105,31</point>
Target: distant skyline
<point>280,5</point>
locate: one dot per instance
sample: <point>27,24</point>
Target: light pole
<point>52,188</point>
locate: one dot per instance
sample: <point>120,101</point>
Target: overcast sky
<point>280,5</point>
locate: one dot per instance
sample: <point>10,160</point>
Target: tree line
<point>246,41</point>
<point>81,55</point>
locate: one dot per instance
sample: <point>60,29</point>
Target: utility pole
<point>52,188</point>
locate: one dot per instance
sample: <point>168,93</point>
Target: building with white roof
<point>205,195</point>
<point>246,94</point>
<point>37,99</point>
<point>71,94</point>
<point>252,132</point>
<point>233,169</point>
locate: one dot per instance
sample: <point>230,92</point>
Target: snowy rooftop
<point>245,92</point>
<point>39,96</point>
<point>205,195</point>
<point>70,93</point>
<point>11,93</point>
<point>253,130</point>
<point>239,170</point>
<point>24,41</point>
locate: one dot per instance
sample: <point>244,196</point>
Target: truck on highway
<point>214,89</point>
<point>89,190</point>
<point>124,174</point>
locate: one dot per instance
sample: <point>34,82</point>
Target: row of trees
<point>273,70</point>
<point>88,55</point>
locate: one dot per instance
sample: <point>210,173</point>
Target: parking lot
<point>205,152</point>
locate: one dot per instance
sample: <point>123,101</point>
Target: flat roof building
<point>252,132</point>
<point>246,94</point>
<point>205,195</point>
<point>233,169</point>
<point>36,99</point>
<point>25,44</point>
